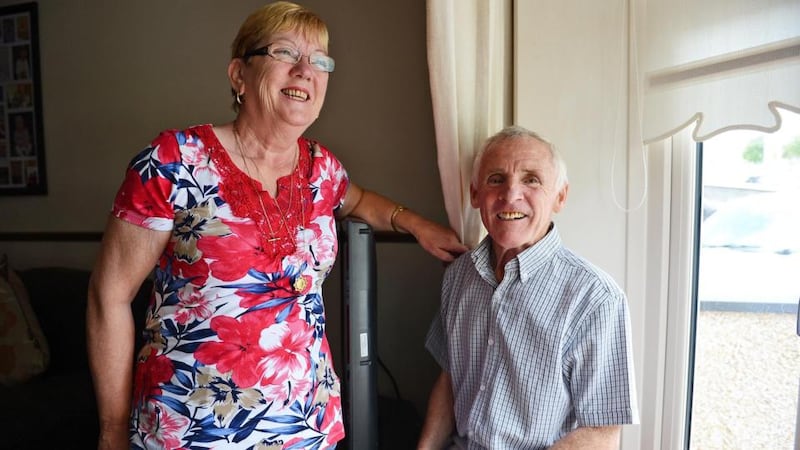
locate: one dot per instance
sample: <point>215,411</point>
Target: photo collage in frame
<point>21,136</point>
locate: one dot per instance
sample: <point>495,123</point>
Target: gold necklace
<point>286,247</point>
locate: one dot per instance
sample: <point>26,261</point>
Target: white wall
<point>570,85</point>
<point>114,74</point>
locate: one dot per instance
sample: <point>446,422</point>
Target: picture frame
<point>22,155</point>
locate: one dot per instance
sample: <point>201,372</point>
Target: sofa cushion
<point>23,347</point>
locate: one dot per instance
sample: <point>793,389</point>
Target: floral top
<point>236,354</point>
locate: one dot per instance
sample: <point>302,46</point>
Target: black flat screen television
<point>359,310</point>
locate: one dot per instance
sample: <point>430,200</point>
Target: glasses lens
<point>285,54</point>
<point>322,63</point>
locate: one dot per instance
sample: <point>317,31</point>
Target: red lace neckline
<point>287,213</point>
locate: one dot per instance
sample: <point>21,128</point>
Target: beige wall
<point>114,74</point>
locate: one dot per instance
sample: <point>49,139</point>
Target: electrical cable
<point>391,378</point>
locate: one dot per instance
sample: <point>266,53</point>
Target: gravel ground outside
<point>747,372</point>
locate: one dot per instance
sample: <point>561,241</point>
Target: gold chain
<point>301,223</point>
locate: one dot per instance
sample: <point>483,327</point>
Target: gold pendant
<point>300,284</point>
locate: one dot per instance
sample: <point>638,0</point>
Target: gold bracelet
<point>397,210</point>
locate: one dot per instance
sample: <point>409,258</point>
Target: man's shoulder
<point>586,272</point>
<point>461,265</point>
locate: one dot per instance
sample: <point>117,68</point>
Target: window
<point>673,295</point>
<point>746,358</point>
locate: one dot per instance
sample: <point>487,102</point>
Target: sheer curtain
<point>716,64</point>
<point>469,63</point>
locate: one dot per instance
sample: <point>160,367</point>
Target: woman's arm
<point>440,419</point>
<point>384,215</point>
<point>127,255</point>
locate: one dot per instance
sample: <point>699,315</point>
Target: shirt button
<point>483,387</point>
<point>491,341</point>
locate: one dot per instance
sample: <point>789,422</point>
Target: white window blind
<point>720,64</point>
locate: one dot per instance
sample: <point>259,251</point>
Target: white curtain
<point>719,64</point>
<point>469,44</point>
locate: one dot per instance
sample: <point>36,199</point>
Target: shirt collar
<point>529,260</point>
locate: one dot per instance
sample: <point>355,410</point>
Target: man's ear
<point>561,198</point>
<point>473,196</point>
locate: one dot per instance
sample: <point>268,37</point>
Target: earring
<point>238,98</point>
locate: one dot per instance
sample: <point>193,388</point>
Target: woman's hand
<point>440,241</point>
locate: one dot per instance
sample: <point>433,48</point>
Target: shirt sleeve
<point>602,380</point>
<point>436,340</point>
<point>144,198</point>
<point>332,175</point>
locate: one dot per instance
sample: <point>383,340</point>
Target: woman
<point>238,221</point>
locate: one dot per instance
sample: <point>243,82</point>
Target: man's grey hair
<point>517,132</point>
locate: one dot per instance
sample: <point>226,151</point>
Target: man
<point>533,341</point>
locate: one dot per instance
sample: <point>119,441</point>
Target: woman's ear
<point>235,68</point>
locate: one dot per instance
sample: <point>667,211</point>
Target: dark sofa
<point>57,408</point>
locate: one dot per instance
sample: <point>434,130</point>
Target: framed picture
<point>22,163</point>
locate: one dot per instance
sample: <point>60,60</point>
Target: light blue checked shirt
<point>546,350</point>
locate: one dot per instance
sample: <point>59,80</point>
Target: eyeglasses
<point>284,53</point>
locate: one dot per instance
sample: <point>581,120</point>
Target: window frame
<point>665,267</point>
